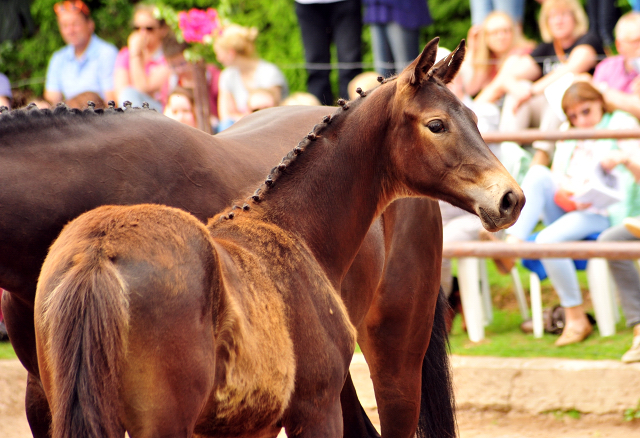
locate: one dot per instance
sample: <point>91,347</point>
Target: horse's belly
<point>252,414</point>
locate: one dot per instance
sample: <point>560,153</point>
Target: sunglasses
<point>72,6</point>
<point>147,28</point>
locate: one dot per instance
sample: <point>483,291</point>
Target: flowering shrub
<point>198,26</point>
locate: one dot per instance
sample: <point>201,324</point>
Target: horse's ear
<point>423,63</point>
<point>447,69</point>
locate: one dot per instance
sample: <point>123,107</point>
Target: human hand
<point>582,205</point>
<point>521,94</point>
<point>472,36</point>
<point>136,43</point>
<point>612,159</point>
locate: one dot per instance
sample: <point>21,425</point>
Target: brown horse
<point>56,165</point>
<point>263,339</point>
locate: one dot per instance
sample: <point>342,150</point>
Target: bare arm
<point>623,101</point>
<point>581,59</point>
<point>510,77</point>
<point>227,106</point>
<point>53,97</point>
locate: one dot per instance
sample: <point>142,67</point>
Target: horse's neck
<point>336,189</point>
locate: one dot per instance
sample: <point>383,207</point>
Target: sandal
<point>572,335</point>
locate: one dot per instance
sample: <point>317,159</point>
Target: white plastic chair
<point>475,294</point>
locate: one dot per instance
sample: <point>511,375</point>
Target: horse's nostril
<point>508,201</point>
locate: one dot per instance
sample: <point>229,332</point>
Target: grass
<point>503,337</point>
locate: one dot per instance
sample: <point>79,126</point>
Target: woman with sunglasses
<point>141,68</point>
<point>550,195</point>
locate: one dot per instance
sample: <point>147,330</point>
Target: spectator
<point>81,101</point>
<point>568,48</point>
<point>5,91</point>
<point>365,81</point>
<point>85,63</point>
<point>624,272</point>
<point>301,98</point>
<point>602,19</point>
<point>480,10</point>
<point>182,76</point>
<point>260,99</point>
<point>181,107</point>
<point>489,45</point>
<point>549,194</point>
<point>324,21</point>
<point>617,76</point>
<point>140,69</point>
<point>243,72</point>
<point>395,32</point>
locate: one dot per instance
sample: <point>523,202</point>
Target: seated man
<point>617,76</point>
<point>86,63</point>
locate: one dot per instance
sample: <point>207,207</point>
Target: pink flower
<point>196,24</point>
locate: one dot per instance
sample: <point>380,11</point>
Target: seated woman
<point>243,72</point>
<point>567,48</point>
<point>549,194</point>
<point>489,45</point>
<point>181,107</point>
<point>140,69</point>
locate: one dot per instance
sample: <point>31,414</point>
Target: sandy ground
<point>472,424</point>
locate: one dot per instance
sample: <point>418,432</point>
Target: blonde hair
<point>482,55</point>
<point>301,98</point>
<point>238,38</point>
<point>580,17</point>
<point>366,80</point>
<point>628,20</point>
<point>149,9</point>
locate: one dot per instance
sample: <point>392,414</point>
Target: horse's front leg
<point>397,329</point>
<point>394,340</point>
<point>19,321</point>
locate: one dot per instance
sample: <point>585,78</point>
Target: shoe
<point>573,336</point>
<point>527,326</point>
<point>632,224</point>
<point>504,264</point>
<point>633,355</point>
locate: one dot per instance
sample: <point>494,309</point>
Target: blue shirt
<point>93,71</point>
<point>5,86</point>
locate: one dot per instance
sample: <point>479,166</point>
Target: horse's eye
<point>436,126</point>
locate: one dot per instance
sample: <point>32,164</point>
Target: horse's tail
<point>86,325</point>
<point>437,404</point>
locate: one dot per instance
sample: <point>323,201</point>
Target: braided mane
<point>320,130</point>
<point>30,117</point>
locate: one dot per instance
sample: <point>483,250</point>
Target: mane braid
<point>288,159</point>
<point>24,119</point>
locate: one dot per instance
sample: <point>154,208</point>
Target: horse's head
<point>440,150</point>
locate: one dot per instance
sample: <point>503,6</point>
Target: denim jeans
<point>539,189</point>
<point>481,8</point>
<point>394,47</point>
<point>625,275</point>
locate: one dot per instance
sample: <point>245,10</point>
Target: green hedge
<point>25,61</point>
